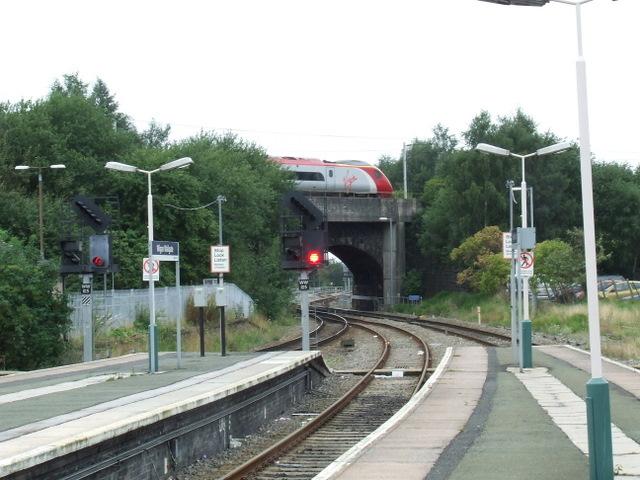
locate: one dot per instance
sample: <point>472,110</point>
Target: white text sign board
<point>506,245</point>
<point>220,261</point>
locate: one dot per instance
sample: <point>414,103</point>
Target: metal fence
<point>118,308</point>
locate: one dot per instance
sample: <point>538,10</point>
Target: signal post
<point>304,242</point>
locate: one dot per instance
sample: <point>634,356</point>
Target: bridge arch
<point>368,276</point>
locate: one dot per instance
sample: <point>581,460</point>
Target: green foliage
<point>411,284</point>
<point>617,201</point>
<point>141,320</point>
<point>467,191</point>
<point>485,271</point>
<point>463,306</point>
<point>328,275</point>
<point>33,316</point>
<point>558,266</point>
<point>81,126</point>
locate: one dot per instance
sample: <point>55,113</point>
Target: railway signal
<point>303,233</point>
<point>314,258</point>
<point>90,214</point>
<point>100,253</point>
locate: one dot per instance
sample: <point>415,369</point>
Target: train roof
<point>316,161</point>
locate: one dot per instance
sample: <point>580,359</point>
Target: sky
<point>338,79</point>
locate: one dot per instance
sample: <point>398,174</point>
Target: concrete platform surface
<point>44,416</point>
<point>517,424</point>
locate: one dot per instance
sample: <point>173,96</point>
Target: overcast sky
<point>335,79</point>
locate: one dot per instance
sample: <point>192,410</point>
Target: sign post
<point>200,301</point>
<point>303,285</point>
<point>526,261</point>
<point>87,317</point>
<point>220,264</point>
<point>170,252</point>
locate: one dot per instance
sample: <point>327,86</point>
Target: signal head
<point>98,261</point>
<point>314,258</point>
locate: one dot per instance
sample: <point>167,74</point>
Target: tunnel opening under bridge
<point>367,274</point>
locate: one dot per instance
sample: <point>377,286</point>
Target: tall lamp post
<point>123,167</point>
<point>40,208</point>
<point>525,325</point>
<point>597,399</point>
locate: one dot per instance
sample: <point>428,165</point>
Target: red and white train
<point>349,177</point>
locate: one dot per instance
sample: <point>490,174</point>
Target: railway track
<point>361,410</point>
<point>480,334</point>
<point>327,330</point>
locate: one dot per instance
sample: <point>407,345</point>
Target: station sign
<point>165,251</point>
<point>220,259</point>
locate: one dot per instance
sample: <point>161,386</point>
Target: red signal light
<point>98,261</point>
<point>314,257</point>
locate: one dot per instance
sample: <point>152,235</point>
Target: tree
<point>558,267</point>
<point>34,318</point>
<point>485,270</point>
<point>616,202</point>
<point>468,191</point>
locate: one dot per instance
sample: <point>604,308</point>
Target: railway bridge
<point>368,235</point>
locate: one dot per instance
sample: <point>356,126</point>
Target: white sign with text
<point>220,259</point>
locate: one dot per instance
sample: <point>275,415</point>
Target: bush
<point>34,317</point>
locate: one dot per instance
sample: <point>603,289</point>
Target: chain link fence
<point>119,308</point>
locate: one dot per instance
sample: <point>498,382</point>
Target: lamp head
<point>57,166</point>
<point>121,167</point>
<point>486,148</point>
<point>556,148</point>
<point>179,163</point>
<point>22,167</point>
<point>523,3</point>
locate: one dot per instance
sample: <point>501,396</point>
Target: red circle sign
<point>145,266</point>
<point>526,260</point>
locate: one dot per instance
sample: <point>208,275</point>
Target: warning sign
<point>147,268</point>
<point>526,264</point>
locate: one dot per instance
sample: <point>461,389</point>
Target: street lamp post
<point>597,399</point>
<point>123,167</point>
<point>40,200</point>
<point>525,325</point>
<point>392,260</point>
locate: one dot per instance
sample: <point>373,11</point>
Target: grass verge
<point>619,319</point>
<point>242,336</point>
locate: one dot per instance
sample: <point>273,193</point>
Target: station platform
<point>479,418</point>
<point>71,421</point>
